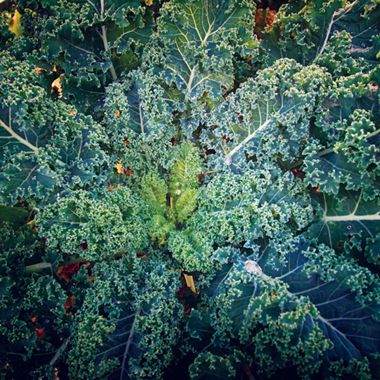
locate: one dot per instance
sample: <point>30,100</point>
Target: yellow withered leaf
<point>148,3</point>
<point>39,70</point>
<point>119,168</point>
<point>15,25</point>
<point>190,282</point>
<point>56,87</point>
<point>117,113</point>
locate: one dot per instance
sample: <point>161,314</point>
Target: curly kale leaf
<point>212,366</point>
<point>307,30</point>
<point>299,310</point>
<point>139,116</point>
<point>32,312</point>
<point>268,117</point>
<point>250,161</point>
<point>111,222</point>
<point>238,209</point>
<point>133,319</point>
<point>349,223</point>
<point>344,148</point>
<point>342,162</point>
<point>200,39</point>
<point>93,42</point>
<point>171,204</point>
<point>46,145</point>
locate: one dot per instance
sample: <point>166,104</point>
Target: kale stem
<point>105,41</point>
<point>228,157</point>
<point>59,351</point>
<point>37,267</point>
<point>19,138</point>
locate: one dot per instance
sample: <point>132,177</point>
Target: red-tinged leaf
<point>248,372</point>
<point>56,374</point>
<point>69,302</point>
<point>186,309</point>
<point>65,272</point>
<point>182,291</point>
<point>141,255</point>
<point>298,173</point>
<point>264,19</point>
<point>33,319</point>
<point>39,332</point>
<point>128,171</point>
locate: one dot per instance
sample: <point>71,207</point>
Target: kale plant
<point>189,189</point>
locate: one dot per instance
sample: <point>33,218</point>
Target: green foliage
<point>305,30</point>
<point>125,309</point>
<point>299,312</point>
<point>154,190</point>
<point>91,42</point>
<point>211,366</point>
<point>24,296</point>
<point>172,204</point>
<point>200,39</point>
<point>138,115</point>
<point>44,146</point>
<point>110,223</point>
<point>269,115</point>
<point>185,195</point>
